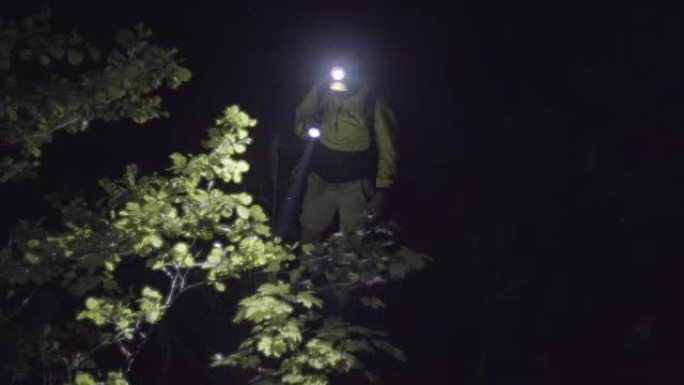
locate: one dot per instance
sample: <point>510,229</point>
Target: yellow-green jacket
<point>344,128</point>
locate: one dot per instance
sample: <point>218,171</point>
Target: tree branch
<point>19,308</point>
<point>20,139</point>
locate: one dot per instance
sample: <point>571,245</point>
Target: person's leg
<point>352,198</point>
<point>318,209</point>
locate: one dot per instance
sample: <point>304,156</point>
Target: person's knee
<point>353,223</point>
<point>353,206</point>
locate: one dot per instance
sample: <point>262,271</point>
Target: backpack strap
<point>369,103</point>
<point>322,101</point>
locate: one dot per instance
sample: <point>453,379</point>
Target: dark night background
<point>541,169</point>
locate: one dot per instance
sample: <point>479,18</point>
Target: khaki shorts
<point>323,200</point>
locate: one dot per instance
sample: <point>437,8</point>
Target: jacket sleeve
<point>306,111</point>
<point>385,124</point>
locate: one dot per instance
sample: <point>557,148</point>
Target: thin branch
<point>16,140</point>
<point>20,307</point>
<point>174,293</point>
<point>173,287</point>
<point>195,286</point>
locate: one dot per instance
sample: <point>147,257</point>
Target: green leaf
<point>308,300</point>
<point>152,315</point>
<point>150,293</point>
<point>92,303</point>
<point>116,378</point>
<point>179,161</point>
<point>264,345</point>
<point>34,151</point>
<point>242,212</point>
<point>110,266</point>
<point>74,57</point>
<point>31,258</point>
<point>151,304</point>
<point>280,289</point>
<point>84,379</point>
<point>131,172</point>
<point>188,261</point>
<point>179,77</point>
<point>154,240</point>
<point>219,286</point>
<point>293,378</point>
<point>33,243</point>
<point>257,213</point>
<point>215,255</point>
<point>242,166</point>
<point>181,248</point>
<point>240,148</point>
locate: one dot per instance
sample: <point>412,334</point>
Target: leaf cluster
<point>54,82</point>
<point>186,227</point>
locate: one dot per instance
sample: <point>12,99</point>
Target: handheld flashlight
<point>314,132</point>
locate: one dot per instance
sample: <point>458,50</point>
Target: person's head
<point>344,80</point>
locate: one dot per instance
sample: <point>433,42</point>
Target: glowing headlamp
<point>338,73</point>
<point>314,132</point>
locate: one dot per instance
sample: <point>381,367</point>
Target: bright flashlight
<point>338,73</point>
<point>314,132</point>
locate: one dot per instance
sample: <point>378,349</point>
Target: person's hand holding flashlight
<point>312,129</point>
<point>313,132</point>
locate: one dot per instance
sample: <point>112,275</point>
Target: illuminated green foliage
<point>295,339</point>
<point>189,226</point>
<point>41,96</point>
<point>113,378</point>
<point>179,225</point>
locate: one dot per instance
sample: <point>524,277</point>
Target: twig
<point>54,129</point>
<point>20,307</point>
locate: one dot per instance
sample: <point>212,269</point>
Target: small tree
<point>184,227</point>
